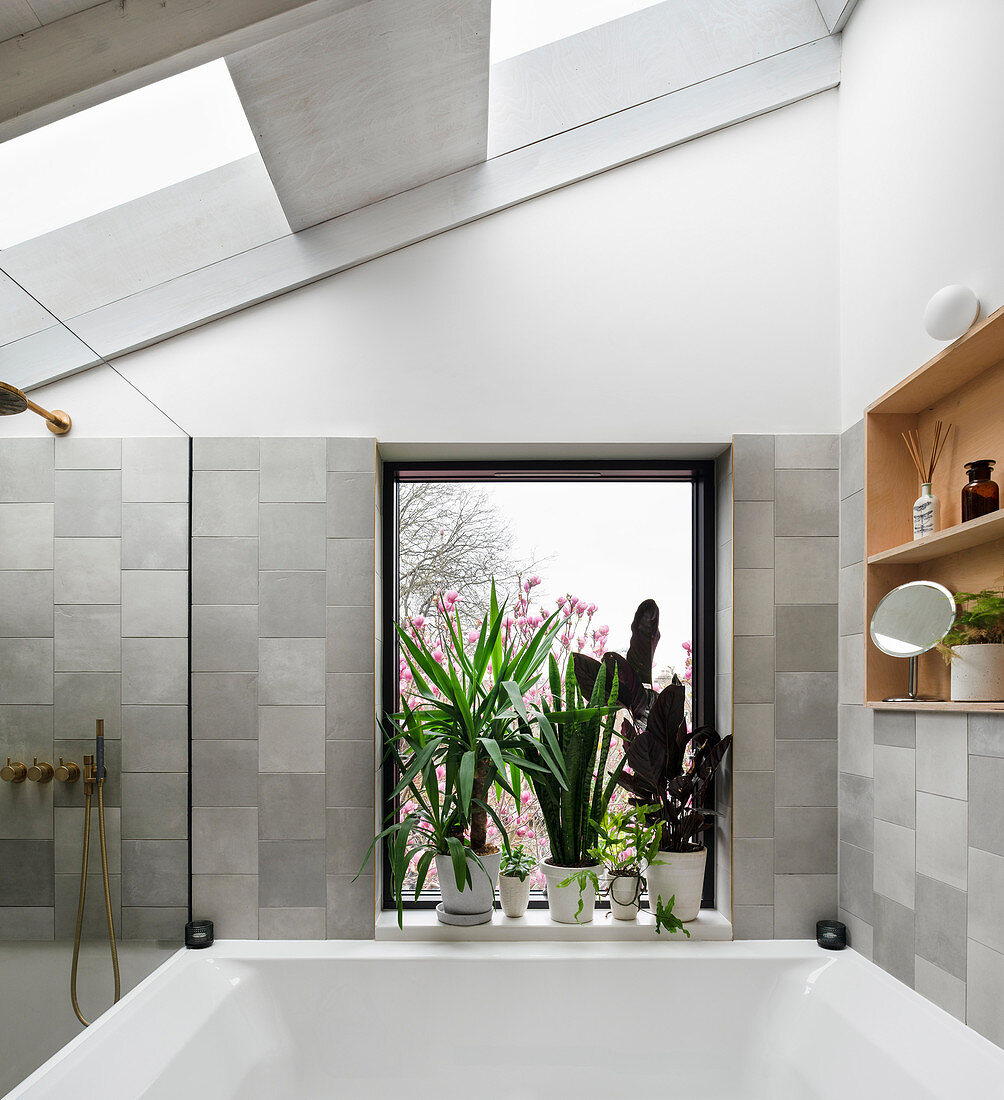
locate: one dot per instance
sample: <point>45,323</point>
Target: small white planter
<point>977,673</point>
<point>679,875</point>
<point>514,894</point>
<point>625,896</point>
<point>475,903</point>
<point>563,901</point>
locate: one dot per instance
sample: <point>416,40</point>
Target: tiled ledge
<point>422,924</point>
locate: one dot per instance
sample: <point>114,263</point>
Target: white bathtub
<point>302,1021</point>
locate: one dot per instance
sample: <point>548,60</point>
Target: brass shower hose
<point>90,774</point>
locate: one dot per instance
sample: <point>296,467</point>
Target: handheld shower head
<point>13,401</point>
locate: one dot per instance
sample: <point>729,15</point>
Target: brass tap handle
<point>40,773</point>
<point>13,772</point>
<point>68,772</point>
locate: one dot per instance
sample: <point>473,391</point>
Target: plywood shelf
<point>940,704</point>
<point>963,536</point>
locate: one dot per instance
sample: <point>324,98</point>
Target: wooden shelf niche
<point>964,385</point>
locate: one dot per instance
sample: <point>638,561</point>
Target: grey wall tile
<point>26,603</point>
<point>26,670</point>
<point>895,863</point>
<point>753,601</point>
<point>806,452</point>
<point>986,803</point>
<point>351,504</point>
<point>753,535</point>
<point>225,840</point>
<point>292,605</point>
<point>230,902</point>
<point>753,804</point>
<point>80,453</point>
<point>87,638</point>
<point>68,832</point>
<point>753,872</point>
<point>292,469</point>
<point>225,570</point>
<point>95,923</point>
<point>941,839</point>
<point>851,679</point>
<point>985,992</point>
<point>155,671</point>
<point>805,840</point>
<point>753,922</point>
<point>945,990</point>
<point>350,710</point>
<point>857,874</point>
<point>986,734</point>
<point>224,453</point>
<point>852,600</point>
<point>26,871</point>
<point>224,638</point>
<point>291,806</point>
<point>350,639</point>
<point>26,536</point>
<point>852,455</point>
<point>27,922</point>
<point>753,467</point>
<point>894,938</point>
<point>897,728</point>
<point>291,671</point>
<point>350,564</point>
<point>805,773</point>
<point>856,743</point>
<point>27,466</point>
<point>224,773</point>
<point>807,638</point>
<point>291,874</point>
<point>350,910</point>
<point>806,705</point>
<point>753,736</point>
<point>154,872</point>
<point>291,924</point>
<point>986,899</point>
<point>857,810</point>
<point>723,576</point>
<point>800,901</point>
<point>154,603</point>
<point>350,769</point>
<point>161,923</point>
<point>349,834</point>
<point>81,697</point>
<point>88,503</point>
<point>895,785</point>
<point>852,529</point>
<point>941,925</point>
<point>224,705</point>
<point>72,794</point>
<point>155,470</point>
<point>87,571</point>
<point>155,739</point>
<point>292,536</point>
<point>753,670</point>
<point>224,503</point>
<point>806,570</point>
<point>155,805</point>
<point>806,502</point>
<point>723,512</point>
<point>154,536</point>
<point>26,808</point>
<point>860,933</point>
<point>351,453</point>
<point>291,739</point>
<point>942,755</point>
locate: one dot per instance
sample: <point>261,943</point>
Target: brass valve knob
<point>40,773</point>
<point>13,773</point>
<point>68,772</point>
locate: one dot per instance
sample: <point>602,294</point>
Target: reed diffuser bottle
<point>927,507</point>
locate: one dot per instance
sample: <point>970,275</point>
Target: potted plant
<point>626,845</point>
<point>514,880</point>
<point>669,769</point>
<point>974,647</point>
<point>579,731</point>
<point>463,730</point>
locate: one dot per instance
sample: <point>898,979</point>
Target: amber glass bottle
<point>981,496</point>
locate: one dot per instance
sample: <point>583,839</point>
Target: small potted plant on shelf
<point>974,647</point>
<point>514,880</point>
<point>625,848</point>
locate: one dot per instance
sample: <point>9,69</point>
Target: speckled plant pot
<point>977,673</point>
<point>679,875</point>
<point>478,898</point>
<point>624,895</point>
<point>514,894</point>
<point>563,901</point>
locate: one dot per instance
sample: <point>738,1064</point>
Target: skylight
<point>522,25</point>
<point>121,150</point>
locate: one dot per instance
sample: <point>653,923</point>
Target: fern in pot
<point>974,647</point>
<point>627,845</point>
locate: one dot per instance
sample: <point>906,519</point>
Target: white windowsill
<point>423,924</point>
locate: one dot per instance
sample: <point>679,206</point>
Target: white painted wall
<point>682,298</point>
<point>921,171</point>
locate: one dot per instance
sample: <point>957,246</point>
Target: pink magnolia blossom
<point>437,655</point>
<point>533,580</point>
<point>452,596</point>
<point>418,621</point>
<point>472,636</point>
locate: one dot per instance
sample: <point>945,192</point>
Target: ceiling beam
<point>116,47</point>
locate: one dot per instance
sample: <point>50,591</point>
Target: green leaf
<point>466,785</point>
<point>458,854</point>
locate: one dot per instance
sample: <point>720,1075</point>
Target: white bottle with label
<point>926,512</point>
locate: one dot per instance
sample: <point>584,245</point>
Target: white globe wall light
<point>951,312</point>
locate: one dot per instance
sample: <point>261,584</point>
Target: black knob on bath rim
<point>831,934</point>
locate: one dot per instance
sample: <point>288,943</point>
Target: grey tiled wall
<point>785,584</point>
<point>283,685</point>
<point>723,678</point>
<point>921,824</point>
<point>94,624</point>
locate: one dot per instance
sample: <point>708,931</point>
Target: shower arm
<point>57,421</point>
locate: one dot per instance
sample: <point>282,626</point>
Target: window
<point>589,540</point>
<point>522,25</point>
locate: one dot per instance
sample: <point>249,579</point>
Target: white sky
<point>609,543</point>
<point>522,25</point>
<point>120,150</point>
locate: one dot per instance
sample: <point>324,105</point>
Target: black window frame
<point>698,472</point>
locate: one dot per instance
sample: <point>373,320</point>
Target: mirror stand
<point>911,687</point>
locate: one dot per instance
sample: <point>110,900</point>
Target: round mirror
<point>912,619</point>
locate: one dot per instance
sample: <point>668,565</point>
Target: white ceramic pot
<point>977,673</point>
<point>514,894</point>
<point>679,875</point>
<point>479,897</point>
<point>625,896</point>
<point>563,901</point>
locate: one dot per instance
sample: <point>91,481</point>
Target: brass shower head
<point>13,401</point>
